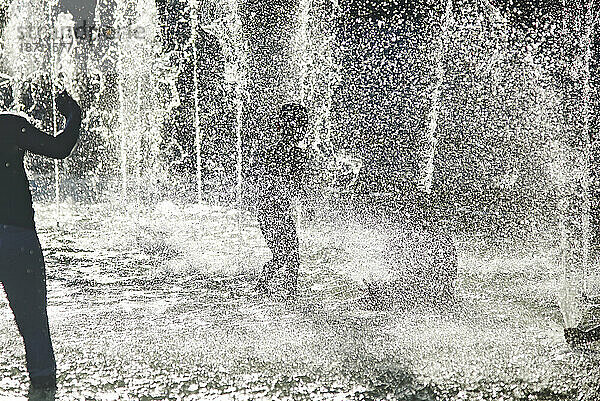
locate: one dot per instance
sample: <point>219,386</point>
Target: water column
<point>302,52</point>
<point>235,50</point>
<point>130,67</point>
<point>303,48</point>
<point>331,79</point>
<point>313,56</point>
<point>426,179</point>
<point>197,133</point>
<point>135,105</point>
<point>53,62</point>
<point>240,71</point>
<point>140,133</point>
<point>228,31</point>
<point>574,204</point>
<point>122,18</point>
<point>122,129</point>
<point>315,77</point>
<point>238,79</point>
<point>587,144</point>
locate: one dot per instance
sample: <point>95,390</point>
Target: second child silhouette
<point>279,172</point>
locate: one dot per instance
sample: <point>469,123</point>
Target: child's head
<point>293,121</point>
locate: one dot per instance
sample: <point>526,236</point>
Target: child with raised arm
<point>22,269</point>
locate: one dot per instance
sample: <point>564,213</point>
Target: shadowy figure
<point>279,172</point>
<point>22,269</point>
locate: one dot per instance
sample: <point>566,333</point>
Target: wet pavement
<point>158,303</point>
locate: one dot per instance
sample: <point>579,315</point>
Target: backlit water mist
<point>149,236</point>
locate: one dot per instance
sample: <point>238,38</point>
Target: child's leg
<point>279,230</point>
<point>268,271</point>
<point>288,250</point>
<point>24,281</point>
<point>266,222</point>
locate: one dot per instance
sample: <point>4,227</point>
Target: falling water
<point>304,61</point>
<point>587,143</point>
<point>139,136</point>
<point>240,92</point>
<point>238,79</point>
<point>575,228</point>
<point>53,60</point>
<point>433,115</point>
<point>330,82</point>
<point>228,30</point>
<point>122,114</point>
<point>141,101</point>
<point>302,51</point>
<point>316,71</point>
<point>197,134</point>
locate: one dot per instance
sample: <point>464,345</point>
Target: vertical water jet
<point>197,132</point>
<point>53,62</point>
<point>587,144</point>
<point>228,30</point>
<point>431,140</point>
<point>123,137</point>
<point>574,203</point>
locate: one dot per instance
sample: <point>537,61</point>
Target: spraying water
<point>303,52</point>
<point>587,141</point>
<point>436,93</point>
<point>53,62</point>
<point>575,227</point>
<point>313,54</point>
<point>228,30</point>
<point>168,274</point>
<point>197,132</point>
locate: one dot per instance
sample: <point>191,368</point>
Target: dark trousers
<point>23,276</point>
<point>279,230</point>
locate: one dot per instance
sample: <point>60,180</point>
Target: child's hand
<point>66,105</point>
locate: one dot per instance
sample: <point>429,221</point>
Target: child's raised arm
<point>36,141</point>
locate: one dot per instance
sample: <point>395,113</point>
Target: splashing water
<point>167,277</point>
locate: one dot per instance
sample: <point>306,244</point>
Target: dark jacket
<point>17,135</point>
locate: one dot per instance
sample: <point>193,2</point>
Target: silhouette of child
<point>22,269</point>
<point>279,174</point>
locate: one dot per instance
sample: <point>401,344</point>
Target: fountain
<point>197,135</point>
<point>427,171</point>
<point>54,116</point>
<point>486,119</point>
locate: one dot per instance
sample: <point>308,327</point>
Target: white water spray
<point>53,61</point>
<point>587,145</point>
<point>228,30</point>
<point>197,133</point>
<point>575,230</point>
<point>431,140</point>
<point>313,47</point>
<point>122,114</point>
